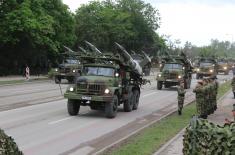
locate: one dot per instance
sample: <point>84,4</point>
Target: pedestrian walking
<point>27,73</point>
<point>181,96</point>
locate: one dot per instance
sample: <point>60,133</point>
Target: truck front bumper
<point>84,97</point>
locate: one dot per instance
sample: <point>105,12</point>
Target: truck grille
<point>64,70</point>
<point>90,88</point>
<point>171,76</point>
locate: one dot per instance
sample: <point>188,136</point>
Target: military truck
<point>206,67</point>
<point>145,59</point>
<point>106,81</point>
<point>174,69</point>
<point>70,66</point>
<point>223,66</point>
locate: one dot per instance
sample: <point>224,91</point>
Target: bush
<point>7,145</point>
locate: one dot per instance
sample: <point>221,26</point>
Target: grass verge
<point>20,81</point>
<point>151,139</point>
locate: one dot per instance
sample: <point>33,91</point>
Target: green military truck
<point>106,81</point>
<point>173,70</point>
<point>69,69</point>
<point>223,66</point>
<point>206,67</point>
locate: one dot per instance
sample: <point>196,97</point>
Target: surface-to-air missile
<point>107,81</point>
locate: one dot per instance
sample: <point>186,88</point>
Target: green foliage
<point>129,22</point>
<point>33,32</point>
<point>7,145</point>
<point>203,137</point>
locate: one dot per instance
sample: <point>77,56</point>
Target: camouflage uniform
<point>200,100</point>
<point>211,93</point>
<point>233,86</point>
<point>207,103</point>
<point>181,95</point>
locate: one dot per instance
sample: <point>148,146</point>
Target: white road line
<point>64,119</point>
<point>149,94</point>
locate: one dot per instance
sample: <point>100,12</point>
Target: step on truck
<point>106,81</point>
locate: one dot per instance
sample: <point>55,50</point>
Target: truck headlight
<point>159,75</point>
<point>197,69</point>
<point>211,70</point>
<point>71,89</point>
<point>225,68</point>
<point>56,69</point>
<point>179,77</point>
<point>106,91</point>
<point>74,70</point>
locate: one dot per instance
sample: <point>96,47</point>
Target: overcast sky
<point>197,21</point>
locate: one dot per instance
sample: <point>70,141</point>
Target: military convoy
<point>206,67</point>
<point>173,70</point>
<point>106,81</point>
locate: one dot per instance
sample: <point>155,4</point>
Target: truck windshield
<point>205,64</point>
<point>71,61</point>
<point>99,71</point>
<point>172,66</point>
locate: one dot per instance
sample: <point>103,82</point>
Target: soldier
<point>207,103</point>
<point>181,95</point>
<point>200,99</point>
<point>212,95</point>
<point>233,86</point>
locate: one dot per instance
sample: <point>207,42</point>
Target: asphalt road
<point>44,127</point>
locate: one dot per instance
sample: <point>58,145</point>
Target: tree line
<point>33,32</point>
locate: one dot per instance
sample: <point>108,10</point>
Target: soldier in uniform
<point>207,103</point>
<point>200,99</point>
<point>181,95</point>
<point>212,95</point>
<point>233,86</point>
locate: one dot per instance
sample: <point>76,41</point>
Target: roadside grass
<point>20,81</point>
<point>152,138</point>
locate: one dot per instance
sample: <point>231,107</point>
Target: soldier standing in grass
<point>200,99</point>
<point>181,95</point>
<point>233,86</point>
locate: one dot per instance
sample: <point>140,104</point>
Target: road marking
<point>149,94</point>
<point>61,120</point>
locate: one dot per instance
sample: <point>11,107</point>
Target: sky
<point>196,21</point>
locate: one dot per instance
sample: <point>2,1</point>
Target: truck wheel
<point>226,73</point>
<point>197,76</point>
<point>159,85</point>
<point>136,99</point>
<point>73,107</point>
<point>111,108</point>
<point>57,80</point>
<point>189,84</point>
<point>128,104</point>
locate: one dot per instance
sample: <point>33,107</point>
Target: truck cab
<point>223,67</point>
<point>206,68</point>
<point>171,74</point>
<point>68,69</point>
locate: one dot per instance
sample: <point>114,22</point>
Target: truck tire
<point>226,73</point>
<point>71,79</point>
<point>57,80</point>
<point>128,104</point>
<point>73,107</point>
<point>185,84</point>
<point>189,84</point>
<point>197,76</point>
<point>159,85</point>
<point>111,108</point>
<point>136,99</point>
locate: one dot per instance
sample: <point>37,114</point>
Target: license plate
<point>88,98</point>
